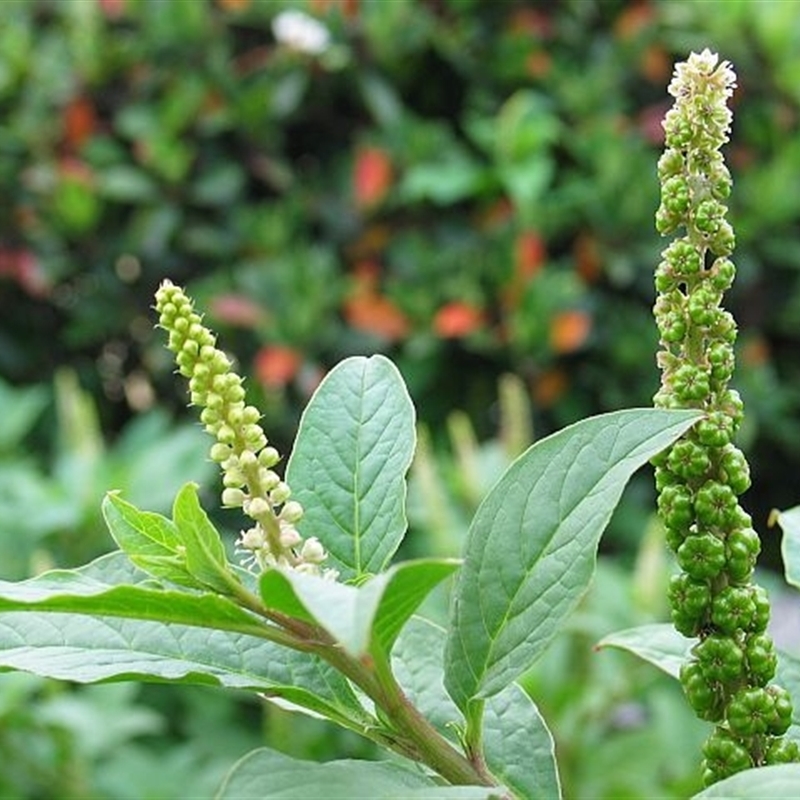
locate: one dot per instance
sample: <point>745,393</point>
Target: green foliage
<point>474,199</point>
<point>536,535</point>
<point>299,637</point>
<point>468,196</point>
<point>358,491</point>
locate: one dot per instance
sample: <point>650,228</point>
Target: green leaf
<point>126,184</point>
<point>518,745</point>
<point>206,559</point>
<point>364,618</point>
<point>660,644</point>
<point>268,775</point>
<point>779,781</point>
<point>417,663</point>
<point>354,446</point>
<point>667,649</point>
<point>149,540</point>
<point>790,543</point>
<point>86,649</point>
<point>788,676</point>
<point>82,626</point>
<point>532,546</point>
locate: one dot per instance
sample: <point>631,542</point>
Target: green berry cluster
<point>241,448</point>
<point>700,478</point>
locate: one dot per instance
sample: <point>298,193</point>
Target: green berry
<point>690,384</point>
<point>688,460</point>
<point>702,556</point>
<point>676,506</point>
<point>703,696</point>
<point>733,467</point>
<point>720,658</point>
<point>751,712</point>
<point>715,504</point>
<point>782,751</point>
<point>715,430</point>
<point>733,609</point>
<point>724,756</point>
<point>690,602</point>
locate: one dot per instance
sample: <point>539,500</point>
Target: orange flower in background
<point>549,386</point>
<point>348,7</point>
<point>538,64</point>
<point>529,254</point>
<point>373,313</point>
<point>372,176</point>
<point>633,20</point>
<point>569,330</point>
<point>529,257</point>
<point>755,351</point>
<point>587,257</point>
<point>276,365</point>
<point>80,121</point>
<point>655,64</point>
<point>365,309</point>
<point>457,319</point>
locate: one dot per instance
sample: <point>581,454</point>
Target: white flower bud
<point>280,494</point>
<point>248,460</point>
<point>289,535</point>
<point>269,457</point>
<point>220,452</point>
<point>313,552</point>
<point>233,497</point>
<point>256,507</point>
<point>267,480</point>
<point>292,511</point>
<point>253,539</point>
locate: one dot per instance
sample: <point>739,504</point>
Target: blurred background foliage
<point>466,185</point>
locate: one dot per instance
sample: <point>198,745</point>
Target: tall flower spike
<point>241,448</point>
<point>701,477</point>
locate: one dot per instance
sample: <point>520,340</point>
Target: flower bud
<point>232,497</point>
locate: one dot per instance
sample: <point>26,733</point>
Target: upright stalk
<point>714,598</point>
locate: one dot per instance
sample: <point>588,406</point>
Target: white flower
<point>301,32</point>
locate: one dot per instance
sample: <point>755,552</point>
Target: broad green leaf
<point>88,649</point>
<point>790,544</point>
<point>776,782</point>
<point>519,748</point>
<point>269,775</point>
<point>417,662</point>
<point>667,649</point>
<point>532,546</point>
<point>660,644</point>
<point>206,559</point>
<point>363,618</point>
<point>353,449</point>
<point>149,540</point>
<point>107,621</point>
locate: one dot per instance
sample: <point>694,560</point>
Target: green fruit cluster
<point>701,477</point>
